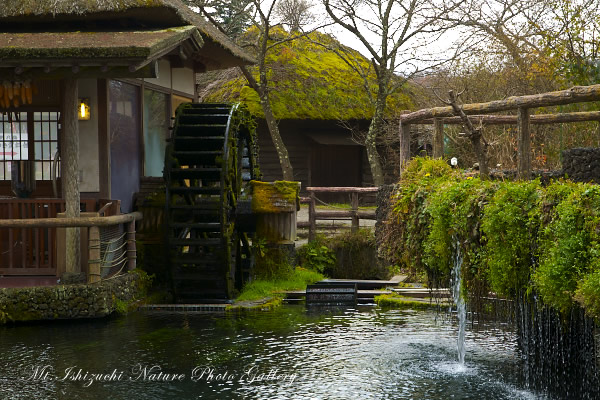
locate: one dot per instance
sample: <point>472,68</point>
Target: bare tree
<point>395,34</point>
<point>261,41</point>
<point>294,13</point>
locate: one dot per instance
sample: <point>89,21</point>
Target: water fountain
<point>460,302</point>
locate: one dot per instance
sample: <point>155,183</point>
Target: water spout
<point>460,302</point>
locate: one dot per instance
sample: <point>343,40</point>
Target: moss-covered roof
<point>92,45</point>
<point>308,82</point>
<point>20,15</point>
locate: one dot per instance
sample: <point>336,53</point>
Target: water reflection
<point>291,353</point>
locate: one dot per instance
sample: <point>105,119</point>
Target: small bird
<point>454,162</point>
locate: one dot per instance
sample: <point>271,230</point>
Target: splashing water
<point>460,303</point>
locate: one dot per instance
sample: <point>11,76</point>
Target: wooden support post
<point>404,145</point>
<point>524,144</point>
<point>94,255</point>
<point>438,138</point>
<point>70,172</point>
<point>355,218</point>
<point>312,228</point>
<point>131,249</point>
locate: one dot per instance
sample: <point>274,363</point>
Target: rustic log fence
<point>95,258</point>
<point>438,116</point>
<point>353,214</point>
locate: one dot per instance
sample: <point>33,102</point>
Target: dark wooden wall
<point>333,163</point>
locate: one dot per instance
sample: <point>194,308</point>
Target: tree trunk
<point>284,158</point>
<point>479,150</point>
<point>375,130</point>
<point>70,172</point>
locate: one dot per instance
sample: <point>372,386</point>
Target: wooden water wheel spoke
<point>210,157</point>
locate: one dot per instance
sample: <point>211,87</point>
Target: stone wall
<point>582,164</point>
<point>69,301</point>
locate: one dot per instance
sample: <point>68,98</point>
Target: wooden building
<point>94,85</point>
<point>316,97</point>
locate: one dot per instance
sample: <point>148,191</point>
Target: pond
<point>290,353</point>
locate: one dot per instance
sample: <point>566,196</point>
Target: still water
<point>290,353</point>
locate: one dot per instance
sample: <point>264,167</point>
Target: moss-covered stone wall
<point>70,301</point>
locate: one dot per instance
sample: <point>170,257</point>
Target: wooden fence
<point>353,214</point>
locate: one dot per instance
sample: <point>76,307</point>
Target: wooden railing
<point>93,233</point>
<point>31,251</point>
<point>353,214</point>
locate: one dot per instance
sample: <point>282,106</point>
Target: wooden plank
<point>312,230</point>
<point>343,214</point>
<point>576,94</point>
<point>316,189</point>
<point>524,144</point>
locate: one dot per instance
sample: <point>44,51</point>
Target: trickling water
<point>460,303</point>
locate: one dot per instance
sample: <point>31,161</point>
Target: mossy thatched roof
<point>45,15</point>
<point>308,82</point>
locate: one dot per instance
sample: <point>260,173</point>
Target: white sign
<point>13,147</point>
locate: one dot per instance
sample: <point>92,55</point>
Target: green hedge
<point>513,236</point>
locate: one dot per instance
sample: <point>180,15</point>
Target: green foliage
<point>316,255</point>
<point>510,225</point>
<point>513,236</point>
<point>270,262</point>
<point>408,221</point>
<point>295,280</point>
<point>571,250</point>
<point>394,300</point>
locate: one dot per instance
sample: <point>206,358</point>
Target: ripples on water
<point>316,354</point>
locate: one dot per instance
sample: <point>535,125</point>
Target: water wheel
<point>210,159</point>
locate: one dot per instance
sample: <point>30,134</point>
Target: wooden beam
<point>576,94</point>
<point>70,222</point>
<point>342,189</point>
<point>536,119</point>
<point>438,138</point>
<point>524,144</point>
<point>70,171</point>
<point>100,71</point>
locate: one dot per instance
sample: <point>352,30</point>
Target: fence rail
<point>354,214</point>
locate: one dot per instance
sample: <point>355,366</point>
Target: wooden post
<point>355,218</point>
<point>312,228</point>
<point>438,138</point>
<point>93,255</point>
<point>524,144</point>
<point>70,172</point>
<point>131,249</point>
<point>404,145</point>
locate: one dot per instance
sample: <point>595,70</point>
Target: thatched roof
<point>100,15</point>
<point>92,45</point>
<point>308,81</point>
